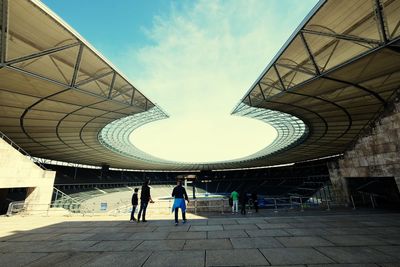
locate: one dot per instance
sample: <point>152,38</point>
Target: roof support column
<point>3,29</point>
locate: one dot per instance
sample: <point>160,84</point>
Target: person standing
<point>179,194</point>
<point>254,197</point>
<point>243,201</point>
<point>235,201</point>
<point>145,198</point>
<point>134,204</point>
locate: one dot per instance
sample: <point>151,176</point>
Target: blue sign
<point>103,206</point>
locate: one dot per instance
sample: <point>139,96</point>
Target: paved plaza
<point>292,239</point>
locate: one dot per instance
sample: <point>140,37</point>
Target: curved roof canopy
<point>337,72</point>
<point>60,99</point>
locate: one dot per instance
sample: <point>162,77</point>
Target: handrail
<point>21,150</point>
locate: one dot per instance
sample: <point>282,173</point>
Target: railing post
<point>195,206</point>
<point>372,201</point>
<point>291,202</point>
<point>222,212</point>
<point>328,207</point>
<point>276,207</point>
<point>352,201</point>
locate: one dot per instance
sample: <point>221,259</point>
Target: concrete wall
<point>376,154</point>
<point>17,170</point>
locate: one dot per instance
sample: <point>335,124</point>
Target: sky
<point>196,60</point>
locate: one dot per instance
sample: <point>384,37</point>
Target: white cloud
<point>206,55</point>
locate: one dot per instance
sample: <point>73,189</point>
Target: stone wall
<point>17,170</point>
<point>376,154</point>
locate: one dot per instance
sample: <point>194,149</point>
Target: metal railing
<point>21,150</point>
<point>367,200</point>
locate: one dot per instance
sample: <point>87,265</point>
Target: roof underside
<point>336,73</point>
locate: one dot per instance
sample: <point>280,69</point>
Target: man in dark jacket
<point>243,202</point>
<point>179,193</point>
<point>134,204</point>
<point>145,198</point>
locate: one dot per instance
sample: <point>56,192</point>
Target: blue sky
<point>196,59</point>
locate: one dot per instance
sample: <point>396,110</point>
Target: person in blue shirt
<point>179,194</point>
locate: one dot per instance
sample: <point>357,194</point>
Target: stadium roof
<point>60,99</point>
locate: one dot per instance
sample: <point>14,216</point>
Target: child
<point>134,204</point>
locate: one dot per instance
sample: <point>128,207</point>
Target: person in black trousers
<point>254,197</point>
<point>179,193</point>
<point>145,198</point>
<point>134,204</point>
<point>243,201</point>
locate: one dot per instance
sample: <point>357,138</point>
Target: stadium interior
<point>332,93</point>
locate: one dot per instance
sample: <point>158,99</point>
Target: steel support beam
<point>3,35</point>
<point>77,65</point>
<point>345,37</point>
<point>111,85</point>
<point>279,77</point>
<point>94,78</point>
<point>310,54</point>
<point>383,32</point>
<point>42,53</point>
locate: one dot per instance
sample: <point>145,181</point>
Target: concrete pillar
<point>340,190</point>
<point>17,171</point>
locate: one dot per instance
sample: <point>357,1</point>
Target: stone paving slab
<point>356,255</point>
<point>149,236</point>
<point>156,245</point>
<point>25,246</point>
<point>280,256</point>
<point>208,244</point>
<point>19,259</point>
<point>61,259</point>
<point>132,258</point>
<point>64,241</point>
<point>227,234</point>
<point>343,265</point>
<point>273,225</point>
<point>240,227</point>
<point>35,237</point>
<point>187,235</point>
<point>222,221</point>
<point>351,231</point>
<point>307,232</point>
<point>303,241</point>
<point>390,250</point>
<point>236,257</point>
<point>206,228</point>
<point>250,220</point>
<point>390,239</point>
<point>135,229</point>
<point>76,237</point>
<point>256,242</point>
<point>308,225</point>
<point>268,232</point>
<point>120,245</point>
<point>190,258</point>
<point>110,236</point>
<point>68,246</point>
<point>180,228</point>
<point>355,240</point>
